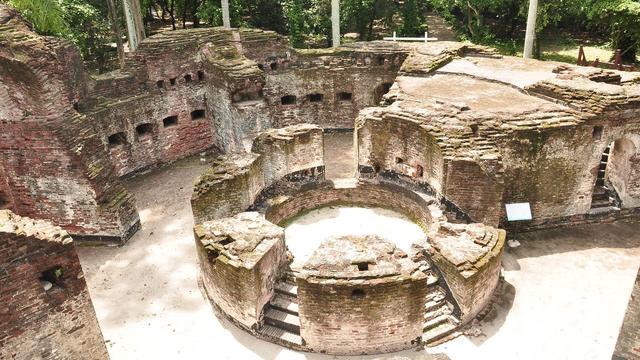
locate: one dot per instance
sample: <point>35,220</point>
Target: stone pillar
<point>226,21</point>
<point>135,27</point>
<point>335,22</point>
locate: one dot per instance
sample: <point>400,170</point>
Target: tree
<point>45,15</point>
<point>620,19</point>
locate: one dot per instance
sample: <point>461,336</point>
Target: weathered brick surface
<point>504,145</point>
<point>234,181</point>
<point>35,323</point>
<point>387,317</point>
<point>418,207</point>
<point>470,258</point>
<point>50,155</point>
<point>399,142</point>
<point>241,258</point>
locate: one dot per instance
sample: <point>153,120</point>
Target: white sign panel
<point>518,212</point>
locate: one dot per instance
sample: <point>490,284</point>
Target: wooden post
<point>617,59</point>
<point>115,28</point>
<point>582,58</point>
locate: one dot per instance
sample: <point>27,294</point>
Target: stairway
<point>603,199</point>
<point>281,321</point>
<point>439,322</point>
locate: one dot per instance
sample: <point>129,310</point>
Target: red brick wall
<point>36,324</point>
<point>473,190</point>
<point>389,317</point>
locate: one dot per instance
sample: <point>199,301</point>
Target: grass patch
<point>560,49</point>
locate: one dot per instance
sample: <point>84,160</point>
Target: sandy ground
<point>566,295</point>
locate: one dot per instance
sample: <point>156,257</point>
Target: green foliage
<point>88,27</point>
<point>46,15</point>
<point>499,23</point>
<point>412,18</point>
<point>621,18</point>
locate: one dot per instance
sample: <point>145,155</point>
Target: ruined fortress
<point>444,133</point>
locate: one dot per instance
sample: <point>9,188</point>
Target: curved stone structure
<point>446,133</point>
<point>356,295</point>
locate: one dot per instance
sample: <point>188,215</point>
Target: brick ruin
<point>445,133</point>
<point>356,295</point>
<point>45,308</point>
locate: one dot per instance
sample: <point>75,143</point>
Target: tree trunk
<point>469,20</point>
<point>184,15</point>
<point>115,28</point>
<point>172,16</point>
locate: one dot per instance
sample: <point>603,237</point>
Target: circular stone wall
<point>354,294</point>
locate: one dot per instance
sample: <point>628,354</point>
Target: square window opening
<point>170,121</point>
<point>288,100</point>
<point>198,114</point>
<point>345,96</point>
<point>144,130</point>
<point>316,97</point>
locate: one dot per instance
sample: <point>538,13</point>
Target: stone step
<point>443,309</point>
<point>436,333</point>
<point>432,278</point>
<point>603,210</point>
<point>287,289</point>
<point>436,321</point>
<point>284,303</point>
<point>600,196</point>
<point>435,295</point>
<point>601,203</point>
<point>280,334</point>
<point>432,305</point>
<point>282,320</point>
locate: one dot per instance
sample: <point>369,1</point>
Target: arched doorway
<point>614,175</point>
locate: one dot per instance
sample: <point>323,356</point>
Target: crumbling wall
<point>289,150</point>
<point>623,170</point>
<point>408,145</point>
<point>470,258</point>
<point>234,181</point>
<point>400,145</point>
<point>555,169</point>
<point>293,201</point>
<point>51,157</point>
<point>37,322</point>
<point>327,96</point>
<point>241,259</point>
<point>143,131</point>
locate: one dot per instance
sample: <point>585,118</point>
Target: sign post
<point>518,212</point>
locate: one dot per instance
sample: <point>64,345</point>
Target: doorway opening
<point>604,193</point>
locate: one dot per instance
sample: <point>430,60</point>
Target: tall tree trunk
<point>194,14</point>
<point>172,16</point>
<point>184,14</point>
<point>115,28</point>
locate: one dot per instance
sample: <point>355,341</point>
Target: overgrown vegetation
<point>502,22</point>
<point>498,23</point>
